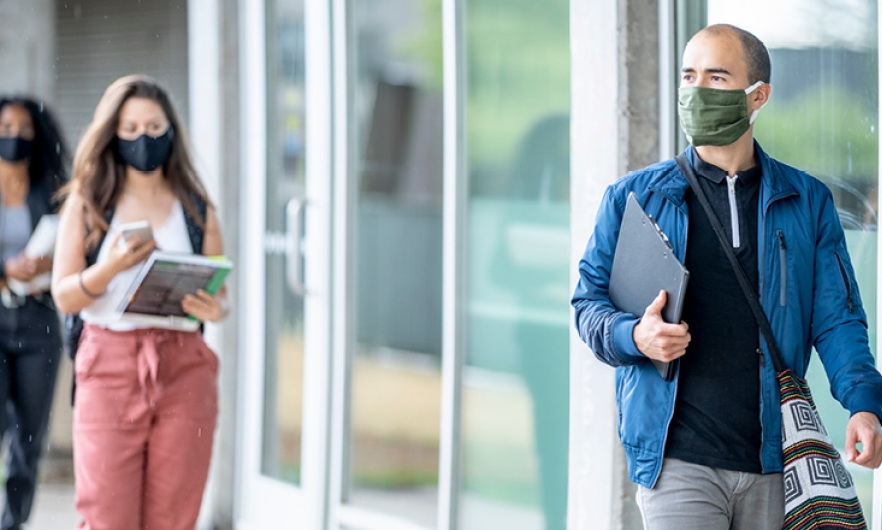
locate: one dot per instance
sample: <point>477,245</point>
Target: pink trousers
<point>144,419</point>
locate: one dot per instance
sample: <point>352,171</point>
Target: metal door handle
<point>294,246</point>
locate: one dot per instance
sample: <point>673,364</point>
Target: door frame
<point>264,502</point>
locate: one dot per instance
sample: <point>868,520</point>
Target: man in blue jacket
<point>705,448</point>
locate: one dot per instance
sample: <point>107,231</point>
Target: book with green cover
<point>166,277</point>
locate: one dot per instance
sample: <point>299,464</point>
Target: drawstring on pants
<point>149,354</point>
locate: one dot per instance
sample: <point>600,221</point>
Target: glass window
<point>516,374</point>
<point>283,387</point>
<point>395,407</point>
<point>823,117</point>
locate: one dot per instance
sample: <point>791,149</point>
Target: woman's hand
<point>124,255</point>
<point>22,268</point>
<point>205,307</point>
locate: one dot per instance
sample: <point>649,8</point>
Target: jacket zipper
<point>782,255</point>
<point>733,212</point>
<point>761,248</point>
<point>847,281</point>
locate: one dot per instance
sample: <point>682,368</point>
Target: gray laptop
<point>643,265</point>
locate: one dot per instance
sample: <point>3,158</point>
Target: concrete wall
<point>27,47</point>
<point>615,110</point>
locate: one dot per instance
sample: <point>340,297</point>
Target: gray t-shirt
<point>15,230</point>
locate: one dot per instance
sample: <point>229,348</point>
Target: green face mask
<point>712,116</point>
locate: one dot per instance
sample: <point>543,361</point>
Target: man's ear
<point>762,94</point>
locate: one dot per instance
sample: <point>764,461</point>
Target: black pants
<point>30,350</point>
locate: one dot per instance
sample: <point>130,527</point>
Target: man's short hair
<point>759,66</point>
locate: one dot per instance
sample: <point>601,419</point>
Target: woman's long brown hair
<point>98,171</point>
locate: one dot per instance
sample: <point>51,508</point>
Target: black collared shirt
<point>717,415</point>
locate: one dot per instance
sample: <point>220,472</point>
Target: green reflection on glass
<point>516,378</point>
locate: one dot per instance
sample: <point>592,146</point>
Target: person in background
<point>146,395</point>
<point>32,157</point>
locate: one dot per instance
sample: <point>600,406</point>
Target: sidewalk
<point>54,503</point>
<point>54,508</point>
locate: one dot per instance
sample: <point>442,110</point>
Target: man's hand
<point>657,339</point>
<point>864,428</point>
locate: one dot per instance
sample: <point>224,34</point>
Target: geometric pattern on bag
<point>819,492</point>
<point>804,418</point>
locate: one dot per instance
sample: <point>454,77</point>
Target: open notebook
<point>155,295</point>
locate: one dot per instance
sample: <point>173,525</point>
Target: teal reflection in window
<point>516,376</point>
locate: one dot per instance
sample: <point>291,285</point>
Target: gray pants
<point>693,497</point>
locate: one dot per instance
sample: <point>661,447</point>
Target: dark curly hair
<point>49,154</point>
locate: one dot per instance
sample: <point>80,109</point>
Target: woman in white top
<point>146,395</point>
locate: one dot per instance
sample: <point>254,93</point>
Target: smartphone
<point>136,228</point>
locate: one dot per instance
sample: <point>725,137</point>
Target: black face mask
<point>145,153</point>
<point>15,149</point>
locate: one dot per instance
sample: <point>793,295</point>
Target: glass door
<point>285,188</point>
<point>282,419</point>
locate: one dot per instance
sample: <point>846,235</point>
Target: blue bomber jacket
<point>806,285</point>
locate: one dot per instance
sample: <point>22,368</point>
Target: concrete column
<point>214,116</point>
<point>615,111</point>
<point>224,491</point>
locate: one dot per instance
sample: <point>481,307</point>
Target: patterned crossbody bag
<point>819,492</point>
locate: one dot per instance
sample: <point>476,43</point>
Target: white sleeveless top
<point>171,236</point>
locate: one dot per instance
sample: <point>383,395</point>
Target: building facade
<point>394,183</point>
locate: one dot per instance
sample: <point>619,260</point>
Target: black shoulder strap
<point>194,230</point>
<point>749,293</point>
<point>39,202</point>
